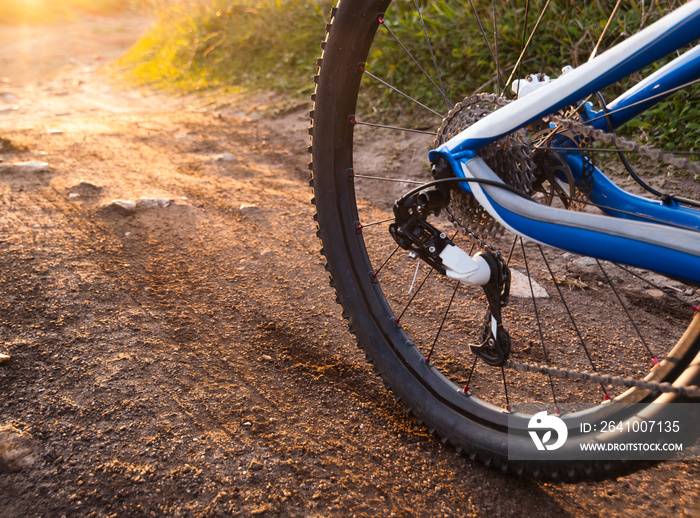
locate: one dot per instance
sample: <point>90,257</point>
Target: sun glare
<point>48,11</point>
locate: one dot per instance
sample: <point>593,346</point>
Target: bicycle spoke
<point>527,45</point>
<point>408,53</point>
<point>394,128</point>
<point>539,325</point>
<point>654,360</point>
<point>401,92</point>
<point>385,179</point>
<point>505,387</point>
<point>442,323</point>
<point>415,276</point>
<point>403,312</point>
<point>386,261</point>
<point>361,226</point>
<point>656,286</point>
<point>605,29</point>
<point>471,373</point>
<point>571,318</point>
<point>495,47</point>
<point>522,46</point>
<point>432,55</point>
<point>499,77</point>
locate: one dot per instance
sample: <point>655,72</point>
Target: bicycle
<point>518,180</point>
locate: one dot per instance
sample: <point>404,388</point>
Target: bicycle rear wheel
<point>417,326</point>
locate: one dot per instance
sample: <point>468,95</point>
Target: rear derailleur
<point>412,232</point>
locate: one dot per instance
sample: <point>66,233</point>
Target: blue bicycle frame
<point>655,235</point>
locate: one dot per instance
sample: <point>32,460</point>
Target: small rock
<point>17,449</point>
<point>657,294</point>
<point>30,167</point>
<point>246,206</point>
<point>225,157</point>
<point>127,205</point>
<point>4,358</point>
<point>585,261</point>
<point>153,203</point>
<point>520,287</point>
<point>255,465</point>
<point>247,423</point>
<point>73,196</point>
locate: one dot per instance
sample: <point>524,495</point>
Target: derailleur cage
<point>496,344</point>
<point>412,232</point>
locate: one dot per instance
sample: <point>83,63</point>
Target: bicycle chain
<point>477,215</point>
<point>618,381</point>
<point>623,144</point>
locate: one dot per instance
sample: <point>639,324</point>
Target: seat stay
<point>653,246</point>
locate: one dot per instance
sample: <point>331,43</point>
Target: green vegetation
<point>54,11</point>
<point>567,35</point>
<point>273,44</point>
<point>241,43</point>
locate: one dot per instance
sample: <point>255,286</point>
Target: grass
<point>268,44</point>
<point>35,12</point>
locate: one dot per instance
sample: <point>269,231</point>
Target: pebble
<point>145,203</point>
<point>4,358</point>
<point>657,294</point>
<point>585,261</point>
<point>124,204</point>
<point>153,203</point>
<point>30,167</point>
<point>225,157</point>
<point>520,287</point>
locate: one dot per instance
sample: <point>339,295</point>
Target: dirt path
<point>181,355</point>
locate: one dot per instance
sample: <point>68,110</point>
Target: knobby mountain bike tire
<point>416,326</point>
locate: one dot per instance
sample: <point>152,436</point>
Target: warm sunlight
<point>47,11</point>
